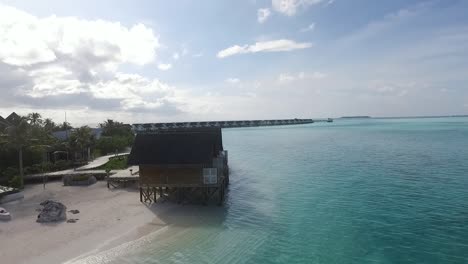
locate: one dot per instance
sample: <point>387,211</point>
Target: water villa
<point>154,127</point>
<point>187,165</point>
<point>186,160</point>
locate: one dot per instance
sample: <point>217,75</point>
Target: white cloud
<point>67,62</point>
<point>28,40</point>
<point>402,93</point>
<point>232,80</point>
<point>290,7</point>
<point>135,92</point>
<point>185,50</point>
<point>385,89</point>
<point>263,14</point>
<point>198,55</point>
<point>382,26</point>
<point>164,66</point>
<point>310,27</point>
<point>398,89</point>
<point>265,46</point>
<point>288,77</point>
<point>54,80</point>
<point>232,51</point>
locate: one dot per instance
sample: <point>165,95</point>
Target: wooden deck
<point>60,174</point>
<point>123,177</point>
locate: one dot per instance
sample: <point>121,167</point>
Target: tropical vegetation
<point>31,144</point>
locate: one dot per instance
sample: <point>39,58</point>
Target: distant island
<point>356,117</point>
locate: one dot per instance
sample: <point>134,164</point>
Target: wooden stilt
<point>220,196</point>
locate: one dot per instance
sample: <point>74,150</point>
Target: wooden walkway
<point>123,177</point>
<point>99,161</point>
<point>60,174</point>
<point>83,170</point>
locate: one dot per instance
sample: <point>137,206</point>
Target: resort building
<point>3,124</point>
<point>184,164</point>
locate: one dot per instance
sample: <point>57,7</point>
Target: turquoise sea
<point>352,191</point>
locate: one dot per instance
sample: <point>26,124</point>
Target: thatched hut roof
<point>176,147</point>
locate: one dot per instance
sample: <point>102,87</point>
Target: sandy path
<point>106,219</point>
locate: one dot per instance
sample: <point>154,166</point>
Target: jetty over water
<point>154,127</point>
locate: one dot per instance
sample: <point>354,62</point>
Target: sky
<point>170,61</point>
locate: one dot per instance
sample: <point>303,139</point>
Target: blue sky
<point>156,61</point>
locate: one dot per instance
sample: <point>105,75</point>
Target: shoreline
<point>107,219</point>
<point>116,248</point>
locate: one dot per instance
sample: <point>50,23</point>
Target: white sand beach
<point>107,218</point>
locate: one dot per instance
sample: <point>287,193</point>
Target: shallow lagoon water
<point>352,191</point>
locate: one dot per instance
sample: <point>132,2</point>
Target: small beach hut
<point>189,164</point>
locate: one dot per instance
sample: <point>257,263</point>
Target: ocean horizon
<point>352,191</point>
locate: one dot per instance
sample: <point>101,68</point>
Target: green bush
<point>115,163</point>
<point>7,175</point>
<point>33,169</point>
<point>97,153</point>
<point>10,172</point>
<point>15,182</point>
<point>47,166</point>
<point>28,170</point>
<point>83,177</point>
<point>108,145</point>
<point>62,165</point>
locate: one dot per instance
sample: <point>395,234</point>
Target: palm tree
<point>82,138</point>
<point>109,127</point>
<point>18,136</point>
<point>49,125</point>
<point>34,118</point>
<point>65,126</point>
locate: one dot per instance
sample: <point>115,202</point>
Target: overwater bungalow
<point>187,165</point>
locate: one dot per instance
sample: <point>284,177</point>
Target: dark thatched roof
<point>176,147</point>
<point>13,119</point>
<point>2,120</point>
<point>3,124</point>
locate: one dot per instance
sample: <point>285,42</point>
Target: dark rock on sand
<point>52,211</point>
<point>4,215</point>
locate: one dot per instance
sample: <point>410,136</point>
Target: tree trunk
<point>20,154</point>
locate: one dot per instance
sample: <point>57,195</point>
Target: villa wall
<point>155,175</point>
